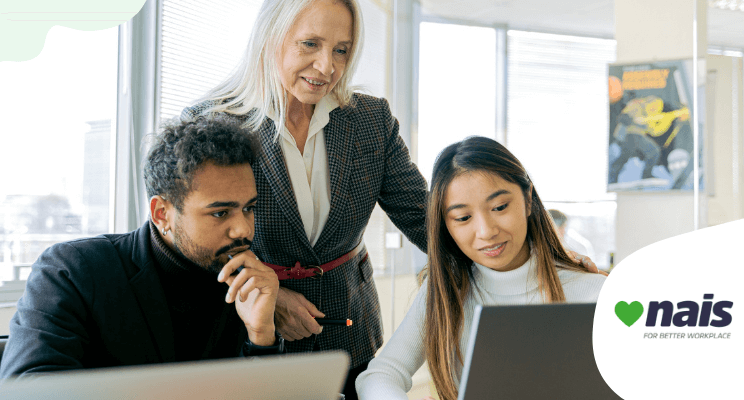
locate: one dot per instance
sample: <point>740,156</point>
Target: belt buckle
<point>317,275</point>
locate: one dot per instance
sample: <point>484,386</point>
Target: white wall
<point>726,112</point>
<point>648,30</point>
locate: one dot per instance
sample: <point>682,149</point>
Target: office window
<point>371,77</point>
<point>372,71</point>
<point>457,87</point>
<point>557,125</point>
<point>202,43</point>
<point>56,146</point>
<point>557,112</point>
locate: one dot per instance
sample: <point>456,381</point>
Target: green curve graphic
<point>24,24</point>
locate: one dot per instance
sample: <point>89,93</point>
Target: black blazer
<point>368,164</point>
<point>92,303</point>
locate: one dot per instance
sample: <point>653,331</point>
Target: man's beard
<point>203,256</point>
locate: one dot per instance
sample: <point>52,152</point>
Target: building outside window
<point>56,146</point>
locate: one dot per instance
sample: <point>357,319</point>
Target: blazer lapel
<point>338,137</point>
<point>275,171</point>
<point>149,293</point>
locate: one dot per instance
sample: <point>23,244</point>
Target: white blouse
<point>308,172</point>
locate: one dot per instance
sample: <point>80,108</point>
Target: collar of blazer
<point>339,136</point>
<point>146,286</point>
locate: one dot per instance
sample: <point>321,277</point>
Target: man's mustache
<point>238,243</point>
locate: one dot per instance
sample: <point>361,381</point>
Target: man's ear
<point>161,213</point>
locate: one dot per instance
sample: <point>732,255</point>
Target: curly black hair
<point>182,147</point>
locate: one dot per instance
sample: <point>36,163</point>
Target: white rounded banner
<point>667,319</point>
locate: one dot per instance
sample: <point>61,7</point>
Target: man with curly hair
<point>167,291</point>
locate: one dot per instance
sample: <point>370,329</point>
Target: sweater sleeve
<point>389,375</point>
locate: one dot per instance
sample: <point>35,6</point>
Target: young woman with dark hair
<point>491,241</point>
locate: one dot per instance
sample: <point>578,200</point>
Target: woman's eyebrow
<point>489,198</point>
<point>313,36</point>
<point>497,194</point>
<point>453,207</point>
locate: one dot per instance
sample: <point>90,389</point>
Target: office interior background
<point>532,74</point>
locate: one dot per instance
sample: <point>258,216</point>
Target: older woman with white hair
<point>329,155</point>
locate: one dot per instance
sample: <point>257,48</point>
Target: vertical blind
<point>558,110</point>
<point>372,71</point>
<point>201,42</point>
<point>557,125</point>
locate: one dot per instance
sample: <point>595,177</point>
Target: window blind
<point>201,43</point>
<point>557,112</point>
<point>373,67</point>
<point>557,125</point>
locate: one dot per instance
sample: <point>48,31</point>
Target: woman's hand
<point>295,316</point>
<point>585,261</point>
<point>256,287</point>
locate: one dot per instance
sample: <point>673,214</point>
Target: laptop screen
<point>288,377</point>
<point>532,352</point>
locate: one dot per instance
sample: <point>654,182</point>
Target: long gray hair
<point>256,84</point>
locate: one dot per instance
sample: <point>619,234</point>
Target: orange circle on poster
<point>616,89</point>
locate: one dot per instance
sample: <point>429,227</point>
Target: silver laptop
<point>292,377</point>
<point>532,352</point>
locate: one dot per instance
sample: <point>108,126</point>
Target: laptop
<point>532,352</point>
<point>293,377</point>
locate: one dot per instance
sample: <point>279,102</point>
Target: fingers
<point>589,264</point>
<point>292,329</point>
<point>311,324</point>
<point>299,325</point>
<point>294,315</point>
<point>313,310</point>
<point>244,259</point>
<point>289,334</point>
<point>253,275</point>
<point>584,260</point>
<point>249,280</point>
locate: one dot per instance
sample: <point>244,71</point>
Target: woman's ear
<point>528,200</point>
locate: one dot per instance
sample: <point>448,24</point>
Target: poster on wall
<point>651,135</point>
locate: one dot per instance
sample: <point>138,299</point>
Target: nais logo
<point>685,314</point>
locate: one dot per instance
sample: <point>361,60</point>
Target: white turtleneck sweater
<point>389,374</point>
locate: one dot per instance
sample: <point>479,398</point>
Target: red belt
<point>314,271</point>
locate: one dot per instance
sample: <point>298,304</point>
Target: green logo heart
<point>629,313</point>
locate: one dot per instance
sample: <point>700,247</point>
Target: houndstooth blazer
<point>369,163</point>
